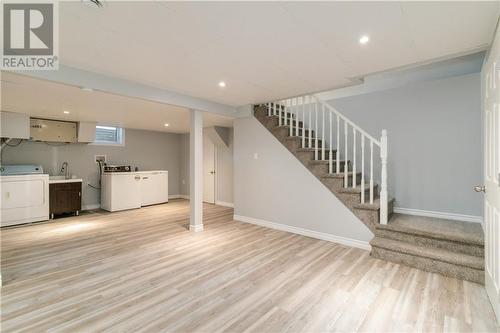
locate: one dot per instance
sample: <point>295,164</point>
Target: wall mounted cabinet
<point>15,125</point>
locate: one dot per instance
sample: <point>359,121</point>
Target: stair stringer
<point>277,187</point>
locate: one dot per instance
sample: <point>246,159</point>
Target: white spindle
<point>371,172</point>
<point>330,156</point>
<point>383,179</point>
<point>303,125</point>
<point>310,123</point>
<point>269,109</point>
<point>288,111</point>
<point>346,182</point>
<point>280,112</point>
<point>316,131</point>
<point>297,117</point>
<point>274,109</point>
<point>362,168</point>
<point>337,155</point>
<point>323,120</point>
<point>353,157</point>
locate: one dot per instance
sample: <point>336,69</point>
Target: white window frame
<point>113,144</point>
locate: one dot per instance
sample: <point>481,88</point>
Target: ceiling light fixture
<point>222,84</point>
<point>364,39</point>
<point>66,112</point>
<point>166,125</point>
<point>86,89</point>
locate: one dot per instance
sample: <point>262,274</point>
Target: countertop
<point>61,179</point>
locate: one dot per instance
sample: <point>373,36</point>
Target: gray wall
<point>147,150</point>
<point>277,188</point>
<point>434,135</point>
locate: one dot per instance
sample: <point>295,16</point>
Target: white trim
<point>196,227</point>
<point>439,215</point>
<point>493,290</point>
<point>305,232</point>
<point>91,207</point>
<point>184,196</point>
<point>174,196</point>
<point>223,203</point>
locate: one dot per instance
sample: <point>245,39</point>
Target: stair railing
<point>315,115</point>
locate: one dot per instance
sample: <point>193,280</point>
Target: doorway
<point>209,170</point>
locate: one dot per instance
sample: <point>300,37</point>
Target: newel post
<point>383,189</point>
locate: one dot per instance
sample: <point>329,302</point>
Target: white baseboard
<point>439,215</point>
<point>184,196</point>
<point>305,232</point>
<point>91,207</point>
<point>196,228</point>
<point>174,196</point>
<point>225,204</point>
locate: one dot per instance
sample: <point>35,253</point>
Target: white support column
<point>196,171</point>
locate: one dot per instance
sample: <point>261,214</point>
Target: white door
<point>208,171</point>
<point>491,118</point>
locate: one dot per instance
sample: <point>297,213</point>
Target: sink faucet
<point>65,170</point>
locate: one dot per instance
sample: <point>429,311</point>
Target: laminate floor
<point>143,271</point>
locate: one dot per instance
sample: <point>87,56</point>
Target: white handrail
<point>348,121</point>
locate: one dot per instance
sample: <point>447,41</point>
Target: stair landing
<point>451,248</point>
<point>434,227</point>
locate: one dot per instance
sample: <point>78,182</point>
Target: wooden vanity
<point>65,196</point>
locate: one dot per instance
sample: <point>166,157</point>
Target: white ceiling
<point>265,50</point>
<point>46,99</point>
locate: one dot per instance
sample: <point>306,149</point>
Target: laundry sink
<point>62,179</point>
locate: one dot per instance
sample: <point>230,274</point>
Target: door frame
<point>216,174</point>
<point>490,80</point>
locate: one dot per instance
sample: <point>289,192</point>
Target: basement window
<point>109,135</point>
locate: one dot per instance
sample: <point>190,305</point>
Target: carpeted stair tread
<point>357,189</point>
<point>326,162</point>
<point>443,255</point>
<point>374,206</point>
<point>464,232</point>
<point>341,175</point>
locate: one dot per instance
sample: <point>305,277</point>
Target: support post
<point>196,171</point>
<point>383,191</point>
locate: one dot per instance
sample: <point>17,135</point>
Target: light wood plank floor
<point>142,271</point>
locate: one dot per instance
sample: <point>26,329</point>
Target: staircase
<point>341,155</point>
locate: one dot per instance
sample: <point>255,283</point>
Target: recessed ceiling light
<point>222,84</point>
<point>364,39</point>
<point>86,89</point>
<point>66,112</point>
<point>166,125</point>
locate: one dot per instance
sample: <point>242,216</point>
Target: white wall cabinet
<point>14,125</point>
<point>86,131</point>
<point>128,190</point>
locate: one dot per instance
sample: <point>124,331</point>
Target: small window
<point>108,135</point>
